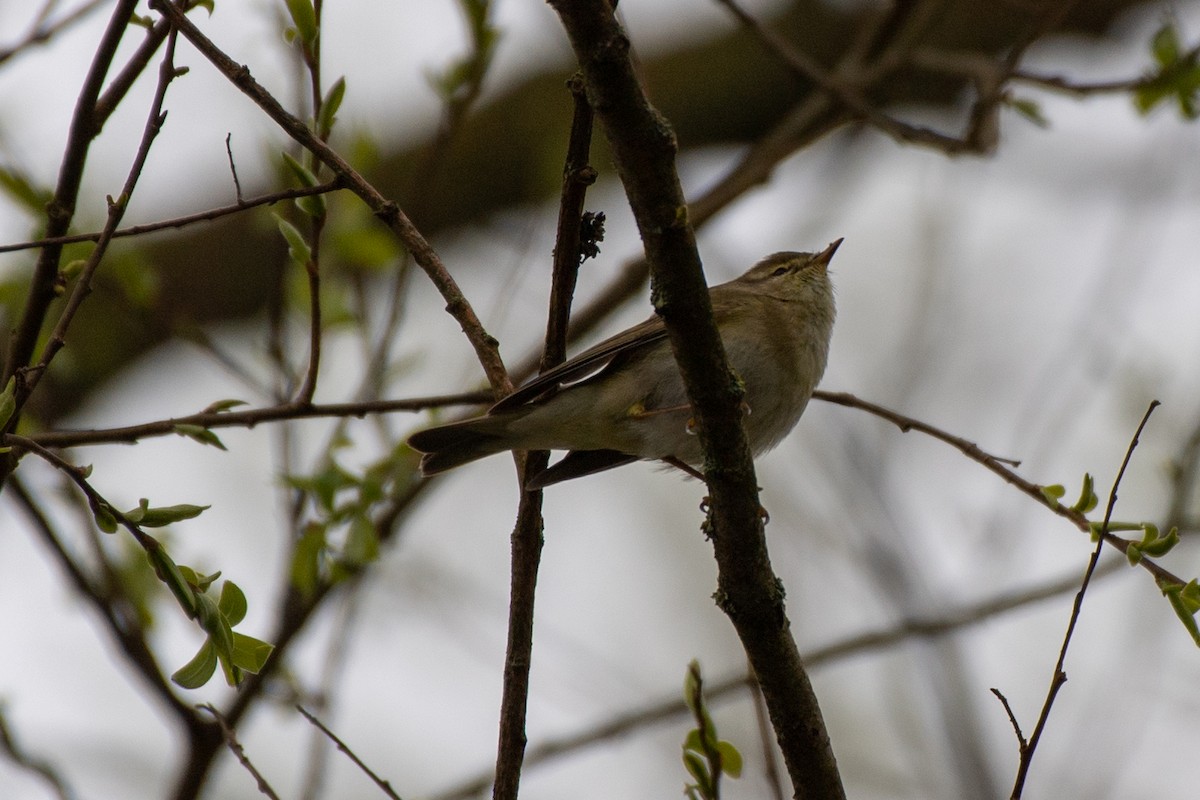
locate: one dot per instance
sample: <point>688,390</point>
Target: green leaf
<point>329,107</point>
<point>1186,602</point>
<point>164,515</point>
<point>306,560</point>
<point>168,572</point>
<point>105,520</point>
<point>199,670</point>
<point>1087,496</point>
<point>1030,110</point>
<point>249,653</point>
<point>222,405</point>
<point>18,186</point>
<point>1165,45</point>
<point>698,769</point>
<point>314,205</point>
<point>731,759</point>
<point>1053,493</point>
<point>362,542</point>
<point>304,17</point>
<point>298,249</point>
<point>233,603</point>
<point>1177,77</point>
<point>208,5</point>
<point>200,434</point>
<point>196,580</point>
<point>8,401</point>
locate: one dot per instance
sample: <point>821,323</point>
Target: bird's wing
<point>587,364</point>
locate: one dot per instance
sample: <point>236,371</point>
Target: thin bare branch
<point>527,540</point>
<point>267,199</point>
<point>130,434</point>
<point>998,466</point>
<point>386,210</point>
<point>384,785</point>
<point>43,30</point>
<point>116,210</point>
<point>239,752</point>
<point>1059,676</point>
<point>29,762</point>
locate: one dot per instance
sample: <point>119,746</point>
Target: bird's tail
<point>448,446</point>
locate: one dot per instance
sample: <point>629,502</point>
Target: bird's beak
<point>825,256</point>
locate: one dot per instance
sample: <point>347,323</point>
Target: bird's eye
<point>779,272</point>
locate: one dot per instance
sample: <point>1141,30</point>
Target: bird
<point>624,400</point>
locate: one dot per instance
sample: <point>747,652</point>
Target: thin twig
<point>31,763</point>
<point>61,209</point>
<point>116,210</point>
<point>849,94</point>
<point>384,785</point>
<point>998,466</point>
<point>527,537</point>
<point>179,222</point>
<point>239,752</point>
<point>43,31</point>
<point>1022,742</point>
<point>237,184</point>
<point>771,771</point>
<point>131,434</point>
<point>1060,676</point>
<point>385,210</point>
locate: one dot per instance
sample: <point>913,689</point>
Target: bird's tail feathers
<point>448,446</point>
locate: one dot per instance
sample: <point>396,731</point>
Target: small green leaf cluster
<point>1153,544</point>
<point>705,756</point>
<point>205,435</point>
<point>1185,599</point>
<point>1176,76</point>
<point>1087,495</point>
<point>342,536</point>
<point>237,653</point>
<point>303,29</point>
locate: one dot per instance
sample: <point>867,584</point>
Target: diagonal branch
<point>386,210</point>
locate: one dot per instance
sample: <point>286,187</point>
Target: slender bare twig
<point>239,752</point>
<point>61,210</point>
<point>527,533</point>
<point>42,31</point>
<point>771,773</point>
<point>237,184</point>
<point>10,747</point>
<point>1060,676</point>
<point>386,210</point>
<point>211,214</point>
<point>130,434</point>
<point>849,94</point>
<point>116,210</point>
<point>384,785</point>
<point>998,466</point>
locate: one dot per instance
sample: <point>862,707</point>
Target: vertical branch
<point>748,590</point>
<point>527,537</point>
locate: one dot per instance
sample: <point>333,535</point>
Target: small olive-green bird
<point>624,399</point>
